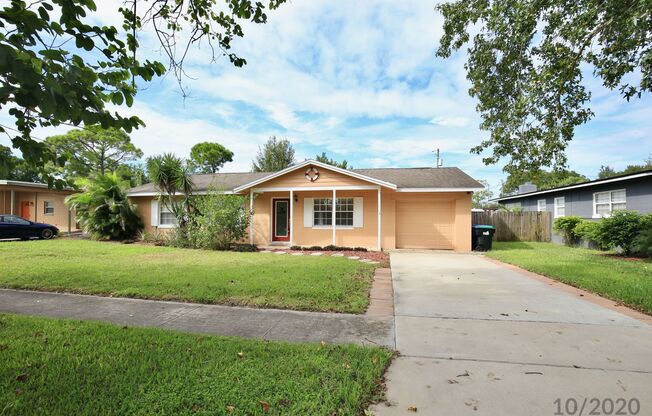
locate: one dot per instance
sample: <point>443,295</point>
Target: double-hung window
<point>604,203</point>
<point>166,217</point>
<point>48,208</point>
<point>560,207</point>
<point>541,205</point>
<point>323,212</point>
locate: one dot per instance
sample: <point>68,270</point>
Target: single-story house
<point>590,200</point>
<point>35,202</point>
<point>377,209</point>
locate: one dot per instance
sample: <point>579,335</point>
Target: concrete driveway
<point>478,338</point>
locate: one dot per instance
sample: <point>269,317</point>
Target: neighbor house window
<point>541,205</point>
<point>323,212</point>
<point>604,203</point>
<point>166,217</point>
<point>560,207</point>
<point>48,208</point>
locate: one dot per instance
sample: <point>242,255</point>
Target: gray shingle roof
<point>449,177</point>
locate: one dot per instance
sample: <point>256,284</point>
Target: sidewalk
<point>270,324</point>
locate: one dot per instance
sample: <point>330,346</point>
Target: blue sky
<point>359,82</point>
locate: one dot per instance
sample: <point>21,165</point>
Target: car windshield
<point>13,219</point>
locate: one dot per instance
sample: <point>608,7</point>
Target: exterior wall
<point>580,201</point>
<point>144,209</point>
<point>326,178</point>
<point>62,217</point>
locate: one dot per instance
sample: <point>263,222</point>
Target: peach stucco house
<point>375,208</point>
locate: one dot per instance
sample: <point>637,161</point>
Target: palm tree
<point>171,176</point>
<point>103,209</point>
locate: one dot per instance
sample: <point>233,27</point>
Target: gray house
<point>590,200</point>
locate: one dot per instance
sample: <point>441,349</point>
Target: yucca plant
<point>103,210</point>
<point>171,177</point>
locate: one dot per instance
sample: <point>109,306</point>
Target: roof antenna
<point>440,162</point>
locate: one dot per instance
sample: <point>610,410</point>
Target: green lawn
<point>626,281</point>
<point>62,367</point>
<point>141,271</point>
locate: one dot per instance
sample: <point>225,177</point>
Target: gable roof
<point>595,182</point>
<point>400,179</point>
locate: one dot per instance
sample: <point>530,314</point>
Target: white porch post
<point>251,216</point>
<point>379,220</point>
<point>333,218</point>
<point>12,202</point>
<point>291,228</point>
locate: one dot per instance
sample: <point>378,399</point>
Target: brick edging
<point>381,295</point>
<point>584,294</point>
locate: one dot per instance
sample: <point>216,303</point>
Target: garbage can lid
<point>484,226</point>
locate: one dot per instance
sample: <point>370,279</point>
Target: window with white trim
<point>48,208</point>
<point>560,207</point>
<point>165,216</point>
<point>323,212</point>
<point>541,205</point>
<point>604,203</point>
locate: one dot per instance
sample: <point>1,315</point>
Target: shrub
<point>360,249</point>
<point>643,242</point>
<point>620,230</point>
<point>217,221</point>
<point>103,210</point>
<point>566,226</point>
<point>296,248</point>
<point>587,231</point>
<point>314,248</point>
<point>249,248</point>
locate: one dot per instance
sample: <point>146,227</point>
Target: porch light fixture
<point>296,197</point>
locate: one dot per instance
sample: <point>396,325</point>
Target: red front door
<point>24,209</point>
<point>281,220</point>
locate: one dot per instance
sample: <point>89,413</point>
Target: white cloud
<point>450,121</point>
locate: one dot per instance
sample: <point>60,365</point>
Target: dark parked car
<point>13,226</point>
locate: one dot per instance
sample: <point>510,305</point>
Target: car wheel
<point>47,234</point>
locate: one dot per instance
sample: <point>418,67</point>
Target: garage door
<point>424,224</point>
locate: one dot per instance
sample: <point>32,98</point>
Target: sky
<point>357,80</point>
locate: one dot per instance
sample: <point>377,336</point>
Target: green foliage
<point>217,221</point>
<point>525,65</point>
<point>566,226</point>
<point>587,231</point>
<point>325,159</point>
<point>481,199</point>
<point>171,177</point>
<point>103,210</point>
<point>16,168</point>
<point>93,150</point>
<point>275,155</point>
<point>542,179</point>
<point>58,67</point>
<point>244,248</point>
<point>643,241</point>
<point>609,172</point>
<point>620,230</point>
<point>208,157</point>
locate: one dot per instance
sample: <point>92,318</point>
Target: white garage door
<point>424,224</point>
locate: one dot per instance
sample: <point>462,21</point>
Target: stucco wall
<point>36,200</point>
<point>326,178</point>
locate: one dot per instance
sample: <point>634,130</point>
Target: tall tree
<point>542,179</point>
<point>609,172</point>
<point>525,65</point>
<point>275,155</point>
<point>325,159</point>
<point>480,199</point>
<point>7,162</point>
<point>93,150</point>
<point>209,157</point>
<point>16,168</point>
<point>58,66</point>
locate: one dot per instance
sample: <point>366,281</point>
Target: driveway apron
<point>476,338</point>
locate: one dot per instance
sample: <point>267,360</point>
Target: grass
<point>62,367</point>
<point>149,272</point>
<point>623,280</point>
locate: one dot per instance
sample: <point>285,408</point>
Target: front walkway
<point>271,324</point>
<point>478,338</point>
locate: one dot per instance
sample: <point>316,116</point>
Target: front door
<point>24,209</point>
<point>281,223</point>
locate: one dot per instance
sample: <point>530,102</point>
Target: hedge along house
<point>35,202</point>
<point>375,208</point>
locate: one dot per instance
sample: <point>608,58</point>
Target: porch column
<point>380,210</point>
<point>12,201</point>
<point>251,216</point>
<point>290,227</point>
<point>333,218</point>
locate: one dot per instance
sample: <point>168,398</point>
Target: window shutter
<point>308,207</point>
<point>358,210</point>
<point>154,218</point>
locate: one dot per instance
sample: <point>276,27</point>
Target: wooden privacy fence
<point>516,226</point>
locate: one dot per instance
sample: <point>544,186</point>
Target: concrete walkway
<point>271,324</point>
<point>477,338</point>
